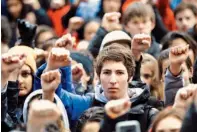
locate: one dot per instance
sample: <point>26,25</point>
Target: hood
<point>57,101</point>
<point>137,95</point>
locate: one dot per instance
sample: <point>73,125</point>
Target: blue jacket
<point>74,104</point>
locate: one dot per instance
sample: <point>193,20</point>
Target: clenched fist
<point>58,57</point>
<point>110,21</point>
<point>139,44</point>
<point>10,63</point>
<point>50,81</point>
<point>65,41</point>
<point>77,72</point>
<point>177,57</point>
<point>41,113</point>
<point>117,108</point>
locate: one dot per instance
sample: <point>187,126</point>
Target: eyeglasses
<point>146,76</point>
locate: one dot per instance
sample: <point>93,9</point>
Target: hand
<point>117,108</point>
<point>27,32</point>
<point>50,82</point>
<point>58,57</point>
<point>110,21</point>
<point>185,96</point>
<point>40,53</point>
<point>9,64</point>
<point>75,23</point>
<point>41,113</point>
<point>140,43</point>
<point>65,41</point>
<point>177,57</point>
<point>34,3</point>
<point>77,72</point>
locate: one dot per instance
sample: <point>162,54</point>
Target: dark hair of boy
<point>183,6</point>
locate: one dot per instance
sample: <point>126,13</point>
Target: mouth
<point>112,89</point>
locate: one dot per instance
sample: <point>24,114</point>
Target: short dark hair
<point>94,114</point>
<point>167,40</point>
<point>117,53</point>
<point>138,9</point>
<point>183,6</point>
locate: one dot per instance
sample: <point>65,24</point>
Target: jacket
<point>172,85</point>
<point>9,101</point>
<point>189,122</point>
<point>139,111</point>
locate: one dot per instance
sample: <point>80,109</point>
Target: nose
<point>113,79</point>
<point>140,26</point>
<point>20,80</point>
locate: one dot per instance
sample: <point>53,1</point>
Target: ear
<point>153,25</point>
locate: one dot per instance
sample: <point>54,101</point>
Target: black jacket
<point>189,122</point>
<point>140,111</point>
<point>9,105</point>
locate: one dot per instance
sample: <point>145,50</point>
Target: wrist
<point>49,95</point>
<point>175,69</point>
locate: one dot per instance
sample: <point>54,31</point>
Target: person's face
<point>169,124</point>
<point>111,5</point>
<point>146,73</point>
<point>25,80</point>
<point>90,30</point>
<point>114,80</point>
<point>185,20</point>
<point>139,25</point>
<point>44,37</point>
<point>165,65</point>
<point>14,7</point>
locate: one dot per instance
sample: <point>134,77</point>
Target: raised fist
<point>9,64</point>
<point>185,96</point>
<point>75,23</point>
<point>50,81</point>
<point>117,108</point>
<point>27,32</point>
<point>77,72</point>
<point>178,54</point>
<point>58,57</point>
<point>42,113</point>
<point>139,44</point>
<point>110,21</point>
<point>65,41</point>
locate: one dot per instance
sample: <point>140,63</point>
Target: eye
<point>180,19</point>
<point>120,72</point>
<point>106,72</point>
<point>187,18</point>
<point>25,74</point>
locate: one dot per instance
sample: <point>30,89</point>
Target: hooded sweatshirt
<point>57,101</point>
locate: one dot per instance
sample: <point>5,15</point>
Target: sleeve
<point>4,105</point>
<point>12,95</point>
<point>95,43</point>
<point>189,122</point>
<point>172,85</point>
<point>66,78</point>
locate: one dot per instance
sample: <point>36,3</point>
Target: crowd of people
<point>87,65</point>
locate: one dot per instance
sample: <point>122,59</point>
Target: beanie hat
<point>115,36</point>
<point>86,61</point>
<point>31,56</point>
